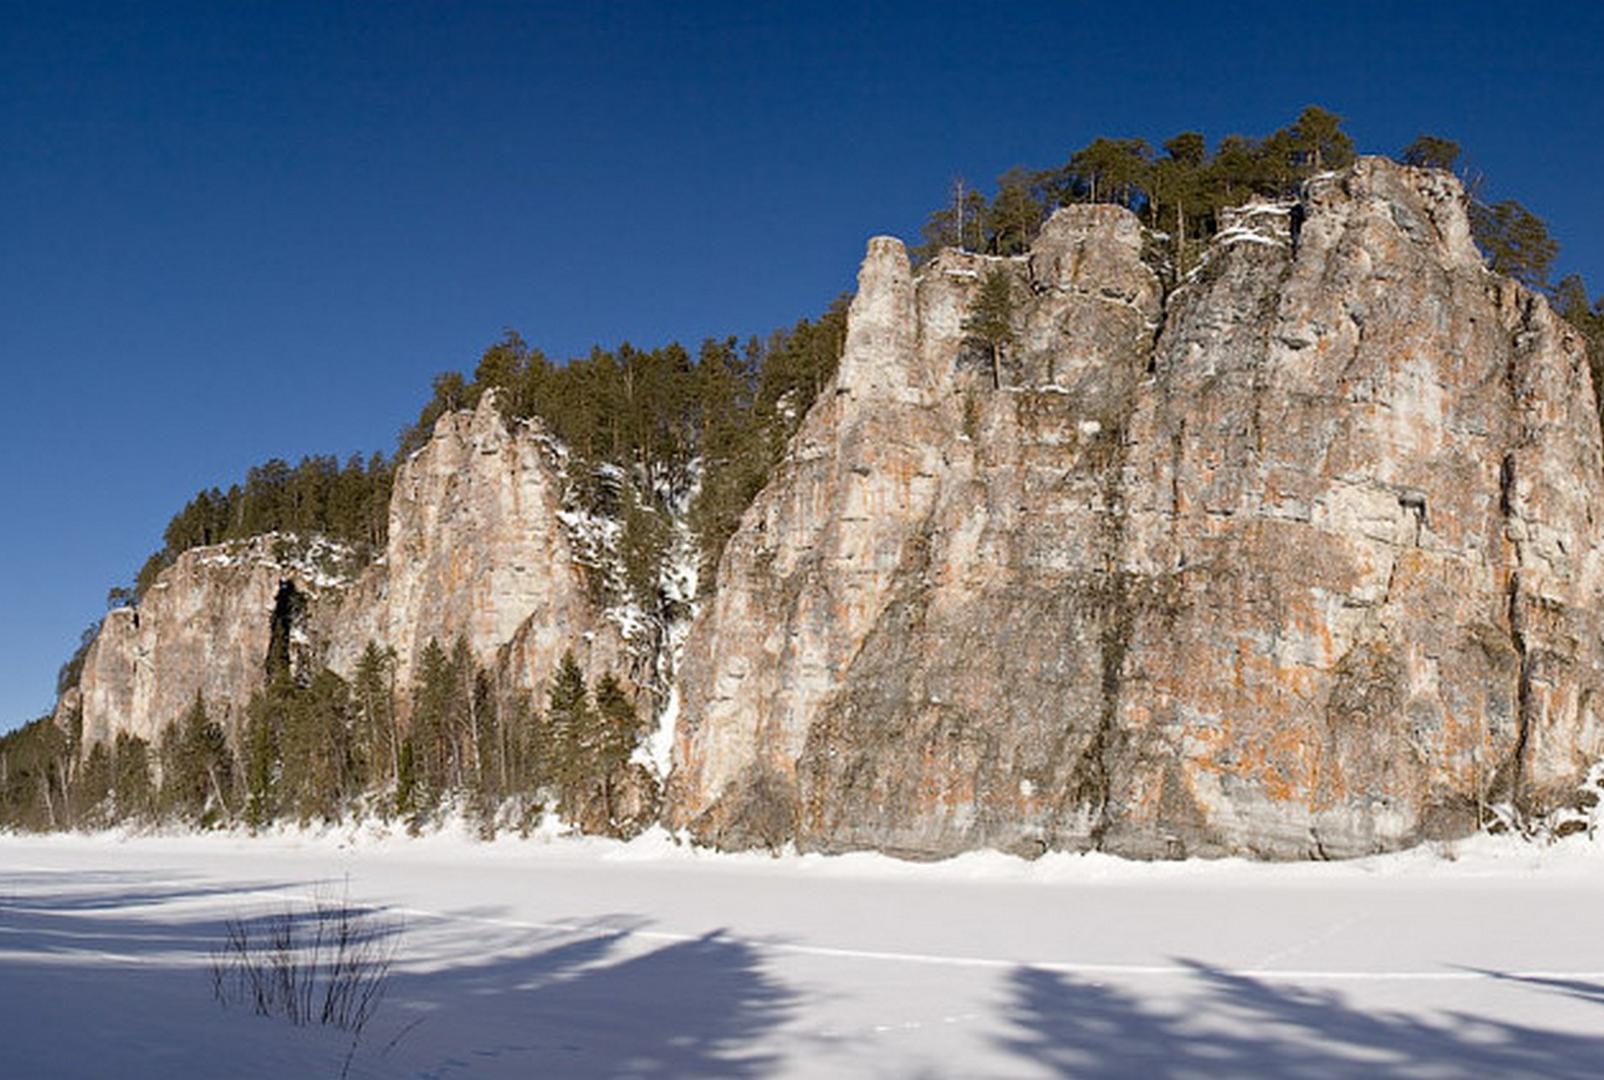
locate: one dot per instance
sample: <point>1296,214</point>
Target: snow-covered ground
<point>569,958</point>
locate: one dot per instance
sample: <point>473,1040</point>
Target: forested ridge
<point>655,439</point>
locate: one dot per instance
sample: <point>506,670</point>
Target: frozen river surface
<point>587,959</point>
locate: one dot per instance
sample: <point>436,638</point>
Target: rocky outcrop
<point>475,549</point>
<point>204,627</point>
<point>1361,542</point>
<point>1305,564</point>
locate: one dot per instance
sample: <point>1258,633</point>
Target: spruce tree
<point>569,721</point>
<point>197,766</point>
<point>131,785</point>
<point>262,761</point>
<point>94,787</point>
<point>406,783</point>
<point>437,755</point>
<point>377,742</point>
<point>617,727</point>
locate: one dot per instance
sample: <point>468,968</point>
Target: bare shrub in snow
<point>328,964</point>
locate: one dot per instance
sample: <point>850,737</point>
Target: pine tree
<point>1015,215</point>
<point>1515,242</point>
<point>1319,141</point>
<point>1431,152</point>
<point>1179,196</point>
<point>1109,170</point>
<point>958,224</point>
<point>991,319</point>
<point>1570,300</point>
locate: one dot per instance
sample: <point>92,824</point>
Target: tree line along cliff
<point>673,477</point>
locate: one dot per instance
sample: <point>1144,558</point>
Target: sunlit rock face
<point>476,549</point>
<point>1302,562</point>
<point>203,628</point>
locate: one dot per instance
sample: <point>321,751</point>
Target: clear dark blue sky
<point>232,231</point>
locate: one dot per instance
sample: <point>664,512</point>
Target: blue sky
<point>236,231</point>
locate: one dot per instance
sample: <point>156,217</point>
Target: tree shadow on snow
<point>1579,989</point>
<point>583,998</point>
<point>1240,1026</point>
<point>599,1006</point>
<point>71,891</point>
<point>118,918</point>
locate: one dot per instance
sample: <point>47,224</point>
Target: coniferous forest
<point>651,436</point>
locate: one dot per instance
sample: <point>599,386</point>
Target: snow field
<point>585,958</point>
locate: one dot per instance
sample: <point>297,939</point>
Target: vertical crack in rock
<point>1507,780</point>
<point>1091,785</point>
<point>289,606</point>
<point>1091,789</point>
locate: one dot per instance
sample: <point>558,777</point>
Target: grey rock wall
<point>1305,565</point>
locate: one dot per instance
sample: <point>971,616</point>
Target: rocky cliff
<point>1304,558</point>
<point>476,548</point>
<point>1303,561</point>
<point>204,627</point>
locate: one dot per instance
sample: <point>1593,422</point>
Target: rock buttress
<point>909,645</point>
<point>1316,573</point>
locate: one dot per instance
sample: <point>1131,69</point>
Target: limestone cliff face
<point>1304,559</point>
<point>476,548</point>
<point>1306,564</point>
<point>205,627</point>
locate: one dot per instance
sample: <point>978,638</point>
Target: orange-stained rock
<point>1312,568</point>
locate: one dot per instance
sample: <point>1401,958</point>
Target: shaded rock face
<point>1305,564</point>
<point>475,549</point>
